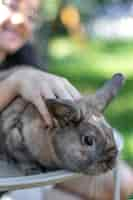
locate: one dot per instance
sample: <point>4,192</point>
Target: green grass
<point>88,65</point>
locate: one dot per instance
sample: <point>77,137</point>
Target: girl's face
<point>17,18</point>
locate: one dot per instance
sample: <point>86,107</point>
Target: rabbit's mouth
<point>100,167</point>
<point>108,163</point>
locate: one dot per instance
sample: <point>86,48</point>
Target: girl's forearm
<point>8,72</point>
<point>8,85</point>
<point>8,91</point>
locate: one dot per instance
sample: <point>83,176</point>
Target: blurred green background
<point>88,60</point>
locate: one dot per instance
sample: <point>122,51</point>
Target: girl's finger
<point>72,90</point>
<point>43,110</point>
<point>62,92</point>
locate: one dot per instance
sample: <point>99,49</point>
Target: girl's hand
<point>35,86</point>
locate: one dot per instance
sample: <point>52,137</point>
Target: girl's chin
<point>13,48</point>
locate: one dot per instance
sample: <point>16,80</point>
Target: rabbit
<point>81,140</point>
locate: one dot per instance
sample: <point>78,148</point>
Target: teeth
<point>17,19</point>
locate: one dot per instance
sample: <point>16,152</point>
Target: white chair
<point>120,143</point>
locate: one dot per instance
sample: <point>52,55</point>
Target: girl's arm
<point>4,74</point>
<point>8,91</point>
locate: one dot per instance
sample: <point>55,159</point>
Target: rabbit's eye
<point>89,141</point>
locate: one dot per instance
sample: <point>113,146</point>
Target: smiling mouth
<point>10,33</point>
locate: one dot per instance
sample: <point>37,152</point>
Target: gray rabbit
<point>80,141</point>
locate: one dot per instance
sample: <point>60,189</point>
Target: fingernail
<point>48,122</point>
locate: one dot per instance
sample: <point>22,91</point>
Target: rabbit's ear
<point>64,109</point>
<point>110,89</point>
<point>105,94</point>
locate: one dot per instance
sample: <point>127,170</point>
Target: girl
<point>18,59</point>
